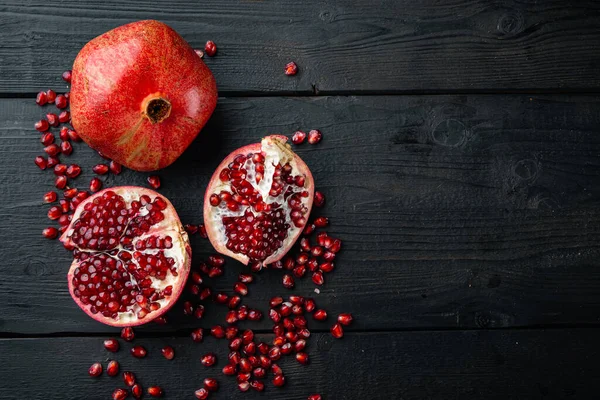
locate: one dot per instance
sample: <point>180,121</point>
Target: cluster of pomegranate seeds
<point>193,229</point>
<point>210,48</point>
<point>314,137</point>
<point>291,69</point>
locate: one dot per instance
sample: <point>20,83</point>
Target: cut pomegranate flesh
<point>131,256</point>
<point>265,194</point>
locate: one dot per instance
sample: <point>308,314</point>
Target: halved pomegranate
<point>258,201</point>
<point>132,255</point>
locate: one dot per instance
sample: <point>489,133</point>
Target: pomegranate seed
<point>61,101</point>
<point>41,98</point>
<point>288,281</point>
<point>319,199</point>
<point>52,150</point>
<point>73,170</point>
<point>337,331</point>
<point>115,167</point>
<point>42,125</point>
<point>200,53</point>
<point>275,301</point>
<point>308,229</point>
<point>314,397</point>
<point>231,332</point>
<point>50,197</point>
<point>314,137</point>
<point>229,369</point>
<point>95,370</point>
<point>286,348</point>
<point>275,353</point>
<point>70,193</point>
<point>263,348</point>
<point>67,76</point>
<point>127,334</point>
<point>138,352</point>
<point>111,345</point>
<point>259,372</point>
<point>276,370</point>
<point>137,391</point>
<point>211,384</point>
<point>168,352</point>
<point>243,386</point>
<point>210,48</point>
<point>191,229</point>
<point>50,233</point>
<point>326,267</point>
<point>73,135</point>
<point>217,331</point>
<point>234,301</point>
<point>205,294</point>
<point>291,69</point>
<point>329,256</point>
<point>245,278</point>
<point>320,315</point>
<point>317,251</point>
<point>66,148</point>
<point>278,380</point>
<point>160,320</point>
<point>305,333</point>
<point>208,360</point>
<point>120,394</point>
<point>321,222</point>
<point>201,394</point>
<point>231,317</point>
<point>60,169</point>
<point>257,385</point>
<point>129,378</point>
<point>47,139</point>
<point>64,205</point>
<point>317,278</point>
<point>41,162</point>
<point>345,319</point>
<point>299,345</point>
<point>309,305</point>
<point>64,117</point>
<point>202,231</point>
<point>197,335</point>
<point>240,288</point>
<point>299,138</point>
<point>112,369</point>
<point>155,391</point>
<point>302,358</point>
<point>51,95</point>
<point>154,181</point>
<point>286,309</point>
<point>299,271</point>
<point>216,260</point>
<point>95,185</point>
<point>247,336</point>
<point>274,315</point>
<point>64,133</point>
<point>100,169</point>
<point>52,119</point>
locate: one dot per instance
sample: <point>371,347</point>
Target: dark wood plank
<point>387,45</point>
<point>505,364</point>
<point>460,211</point>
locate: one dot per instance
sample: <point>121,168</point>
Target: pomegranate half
<point>258,201</point>
<point>140,95</point>
<point>131,255</point>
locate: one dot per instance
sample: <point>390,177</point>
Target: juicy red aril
<point>155,391</point>
<point>41,162</point>
<point>249,349</point>
<point>234,358</point>
<point>275,301</point>
<point>50,233</point>
<point>234,301</point>
<point>73,135</point>
<point>247,336</point>
<point>208,360</point>
<point>319,200</point>
<point>274,315</point>
<point>64,117</point>
<point>314,397</point>
<point>299,137</point>
<point>326,267</point>
<point>95,370</point>
<point>120,394</point>
<point>112,369</point>
<point>229,369</point>
<point>245,365</point>
<point>259,372</point>
<point>47,139</point>
<point>309,305</point>
<point>231,332</point>
<point>320,315</point>
<point>129,378</point>
<point>154,181</point>
<point>337,331</point>
<point>115,167</point>
<point>216,260</point>
<point>50,197</point>
<point>51,95</point>
<point>317,278</point>
<point>321,222</point>
<point>52,149</point>
<point>278,341</point>
<point>60,182</point>
<point>275,353</point>
<point>191,229</point>
<point>95,185</point>
<point>304,333</point>
<point>64,205</point>
<point>221,298</point>
<point>278,380</point>
<point>41,98</point>
<point>329,256</point>
<point>211,384</point>
<point>52,119</point>
<point>73,170</point>
<point>137,391</point>
<point>127,334</point>
<point>210,48</point>
<point>188,308</point>
<point>60,169</point>
<point>257,385</point>
<point>231,317</point>
<point>245,278</point>
<point>111,345</point>
<point>202,231</point>
<point>61,101</point>
<point>291,69</point>
<point>345,319</point>
<point>138,352</point>
<point>243,386</point>
<point>205,293</point>
<point>160,320</point>
<point>201,394</point>
<point>299,271</point>
<point>197,335</point>
<point>42,125</point>
<point>288,281</point>
<point>286,309</point>
<point>217,331</point>
<point>67,76</point>
<point>302,358</point>
<point>314,136</point>
<point>317,251</point>
<point>286,348</point>
<point>168,352</point>
<point>100,169</point>
<point>240,288</point>
<point>70,193</point>
<point>299,345</point>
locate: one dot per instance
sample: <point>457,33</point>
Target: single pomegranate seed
<point>257,385</point>
<point>247,336</point>
<point>168,352</point>
<point>50,197</point>
<point>208,360</point>
<point>276,370</point>
<point>73,135</point>
<point>211,384</point>
<point>138,352</point>
<point>210,48</point>
<point>302,358</point>
<point>299,138</point>
<point>327,267</point>
<point>66,148</point>
<point>129,378</point>
<point>286,309</point>
<point>64,205</point>
<point>111,345</point>
<point>337,331</point>
<point>314,397</point>
<point>95,370</point>
<point>41,162</point>
<point>51,95</point>
<point>67,76</point>
<point>41,98</point>
<point>60,169</point>
<point>216,260</point>
<point>120,394</point>
<point>70,193</point>
<point>160,320</point>
<point>52,119</point>
<point>286,348</point>
<point>231,332</point>
<point>205,293</point>
<point>201,394</point>
<point>197,335</point>
<point>240,288</point>
<point>50,233</point>
<point>155,391</point>
<point>305,333</point>
<point>127,334</point>
<point>64,135</point>
<point>291,69</point>
<point>317,278</point>
<point>202,231</point>
<point>154,181</point>
<point>320,315</point>
<point>345,319</point>
<point>314,137</point>
<point>321,222</point>
<point>276,301</point>
<point>47,139</point>
<point>217,331</point>
<point>115,167</point>
<point>61,101</point>
<point>52,150</point>
<point>229,369</point>
<point>275,353</point>
<point>288,281</point>
<point>191,229</point>
<point>112,369</point>
<point>73,170</point>
<point>200,53</point>
<point>308,229</point>
<point>95,185</point>
<point>42,125</point>
<point>309,305</point>
<point>299,345</point>
<point>64,117</point>
<point>319,200</point>
<point>137,391</point>
<point>243,386</point>
<point>245,278</point>
<point>100,169</point>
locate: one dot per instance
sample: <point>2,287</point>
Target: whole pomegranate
<point>131,255</point>
<point>140,95</point>
<point>258,201</point>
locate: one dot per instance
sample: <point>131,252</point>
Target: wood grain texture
<point>455,211</point>
<point>513,364</point>
<point>340,46</point>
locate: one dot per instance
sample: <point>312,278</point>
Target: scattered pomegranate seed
<point>197,335</point>
<point>138,352</point>
<point>50,233</point>
<point>257,385</point>
<point>321,222</point>
<point>100,169</point>
<point>120,394</point>
<point>95,370</point>
<point>52,150</point>
<point>111,345</point>
<point>309,305</point>
<point>74,135</point>
<point>168,352</point>
<point>50,197</point>
<point>73,170</point>
<point>319,200</point>
<point>337,331</point>
<point>291,69</point>
<point>64,205</point>
<point>276,301</point>
<point>229,369</point>
<point>51,95</point>
<point>299,345</point>
<point>200,53</point>
<point>127,334</point>
<point>345,319</point>
<point>320,315</point>
<point>42,125</point>
<point>67,76</point>
<point>160,320</point>
<point>129,378</point>
<point>299,138</point>
<point>66,148</point>
<point>64,117</point>
<point>208,360</point>
<point>308,229</point>
<point>115,167</point>
<point>191,229</point>
<point>314,136</point>
<point>202,231</point>
<point>211,384</point>
<point>61,101</point>
<point>288,281</point>
<point>60,169</point>
<point>243,386</point>
<point>275,353</point>
<point>154,181</point>
<point>52,119</point>
<point>64,133</point>
<point>317,278</point>
<point>70,193</point>
<point>137,391</point>
<point>41,98</point>
<point>95,185</point>
<point>240,288</point>
<point>155,391</point>
<point>210,48</point>
<point>112,369</point>
<point>41,162</point>
<point>314,397</point>
<point>278,380</point>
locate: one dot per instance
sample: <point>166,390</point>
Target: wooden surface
<point>461,165</point>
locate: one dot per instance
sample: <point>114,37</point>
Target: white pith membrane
<point>278,158</point>
<point>153,265</point>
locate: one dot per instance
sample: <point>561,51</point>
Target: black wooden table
<point>460,160</point>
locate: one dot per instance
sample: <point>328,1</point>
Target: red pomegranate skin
<point>140,94</point>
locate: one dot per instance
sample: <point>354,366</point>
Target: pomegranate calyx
<point>156,108</point>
